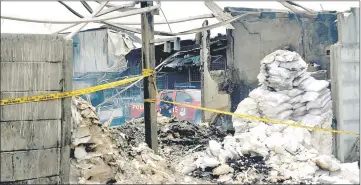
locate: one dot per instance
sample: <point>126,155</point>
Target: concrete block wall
<point>345,78</point>
<point>256,36</point>
<point>35,137</point>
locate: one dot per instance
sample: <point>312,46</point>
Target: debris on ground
<point>176,138</point>
<point>101,155</point>
<point>263,152</point>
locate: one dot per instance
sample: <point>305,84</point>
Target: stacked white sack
<point>287,93</point>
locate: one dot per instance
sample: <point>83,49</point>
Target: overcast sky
<point>52,10</point>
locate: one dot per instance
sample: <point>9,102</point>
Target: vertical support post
<point>66,113</point>
<point>148,61</point>
<point>205,61</point>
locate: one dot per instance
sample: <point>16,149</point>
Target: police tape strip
<point>146,73</point>
<point>45,97</point>
<point>257,118</point>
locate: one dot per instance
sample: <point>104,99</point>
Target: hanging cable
<point>170,29</point>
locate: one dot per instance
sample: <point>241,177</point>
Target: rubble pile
<point>176,138</point>
<point>275,153</point>
<point>97,157</point>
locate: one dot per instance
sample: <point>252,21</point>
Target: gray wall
<point>345,77</point>
<point>35,137</point>
<point>256,36</point>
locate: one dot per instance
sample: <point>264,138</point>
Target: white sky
<point>53,10</point>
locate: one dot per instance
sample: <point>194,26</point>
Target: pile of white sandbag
<point>287,93</point>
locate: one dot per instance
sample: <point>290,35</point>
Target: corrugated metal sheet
<point>101,50</point>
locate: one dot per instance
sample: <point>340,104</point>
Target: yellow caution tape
<point>252,117</point>
<point>44,97</point>
<point>146,73</point>
<point>260,119</point>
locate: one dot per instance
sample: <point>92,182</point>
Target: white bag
<point>267,109</point>
<point>309,96</point>
<point>297,81</point>
<point>317,85</point>
<point>295,65</point>
<point>257,93</point>
<point>281,72</point>
<point>274,97</point>
<point>272,65</point>
<point>296,99</point>
<point>283,115</point>
<point>320,111</point>
<point>300,109</point>
<point>306,83</point>
<point>320,102</point>
<point>298,105</point>
<point>268,59</point>
<point>294,92</point>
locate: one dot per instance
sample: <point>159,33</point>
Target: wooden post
<point>205,61</point>
<point>148,61</point>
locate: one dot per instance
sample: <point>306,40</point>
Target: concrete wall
<point>345,77</point>
<point>256,36</point>
<point>211,97</point>
<point>35,137</point>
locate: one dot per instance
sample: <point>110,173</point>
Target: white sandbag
<point>311,120</point>
<point>295,100</point>
<point>279,82</point>
<point>309,96</point>
<point>302,72</point>
<point>268,109</point>
<point>283,115</point>
<point>297,81</point>
<point>240,126</point>
<point>298,105</point>
<point>327,162</point>
<point>295,92</point>
<point>280,58</point>
<point>222,170</point>
<point>268,59</point>
<point>207,161</point>
<point>280,72</point>
<point>275,97</point>
<point>306,83</point>
<point>320,111</point>
<point>272,65</point>
<point>255,94</point>
<point>261,77</point>
<point>215,147</point>
<point>295,65</point>
<point>275,140</point>
<point>316,85</point>
<point>319,102</point>
<point>259,132</point>
<point>299,111</point>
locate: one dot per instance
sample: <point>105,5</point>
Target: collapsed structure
<point>257,152</point>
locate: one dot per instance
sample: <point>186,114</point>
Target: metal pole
<point>148,60</point>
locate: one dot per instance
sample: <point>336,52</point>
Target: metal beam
<point>218,12</point>
<point>148,60</point>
